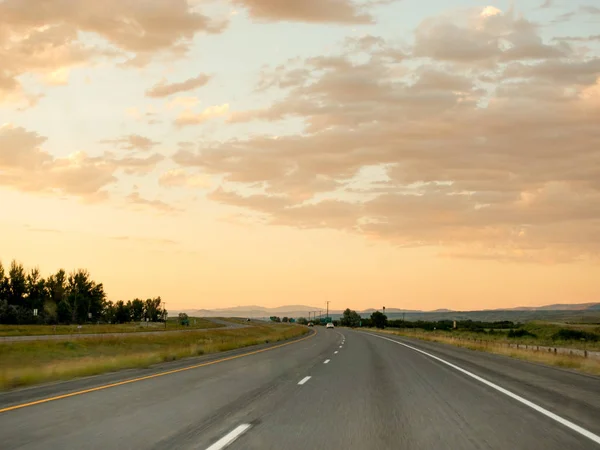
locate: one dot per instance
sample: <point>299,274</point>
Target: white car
<point>329,325</point>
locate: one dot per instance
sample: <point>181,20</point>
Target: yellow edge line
<point>147,377</point>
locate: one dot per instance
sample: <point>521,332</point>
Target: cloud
<point>588,9</point>
<point>182,178</point>
<point>188,117</point>
<point>482,37</point>
<point>498,159</point>
<point>578,38</point>
<point>314,11</point>
<point>145,240</point>
<point>25,166</point>
<point>164,89</point>
<point>132,142</point>
<point>52,39</point>
<point>135,165</point>
<point>135,199</point>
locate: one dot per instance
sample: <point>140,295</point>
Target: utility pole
<point>165,314</point>
<point>320,314</point>
<point>327,318</point>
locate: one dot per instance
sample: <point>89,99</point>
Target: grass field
<point>33,362</point>
<point>496,345</point>
<point>541,334</point>
<point>38,330</point>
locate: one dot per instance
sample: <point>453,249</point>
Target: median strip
<point>148,377</point>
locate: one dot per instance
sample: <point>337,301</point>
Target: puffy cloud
<point>164,89</point>
<point>49,39</point>
<point>498,160</point>
<point>483,36</point>
<point>189,117</point>
<point>133,142</point>
<point>27,167</point>
<point>316,11</point>
<point>135,165</point>
<point>137,201</point>
<point>183,178</point>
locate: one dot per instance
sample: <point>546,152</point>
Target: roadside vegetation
<point>28,298</point>
<point>33,362</point>
<point>174,324</point>
<point>565,345</point>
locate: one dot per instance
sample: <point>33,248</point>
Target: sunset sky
<point>416,154</point>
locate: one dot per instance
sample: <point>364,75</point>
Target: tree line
<point>28,298</point>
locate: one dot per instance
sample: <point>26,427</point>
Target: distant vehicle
<point>247,320</point>
<point>310,324</point>
<point>329,325</point>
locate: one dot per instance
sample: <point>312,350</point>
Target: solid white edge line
<point>230,437</point>
<point>541,410</point>
<point>303,380</point>
<point>326,361</point>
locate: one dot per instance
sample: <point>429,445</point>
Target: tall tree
<point>137,310</point>
<point>122,312</point>
<point>56,287</point>
<point>3,284</point>
<point>152,309</point>
<point>36,292</point>
<point>17,285</point>
<point>378,319</point>
<point>350,318</point>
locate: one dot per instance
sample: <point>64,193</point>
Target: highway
<point>340,389</point>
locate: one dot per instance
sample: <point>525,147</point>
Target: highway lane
<point>370,394</point>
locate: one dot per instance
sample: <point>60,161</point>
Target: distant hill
<point>560,311</point>
<point>556,307</point>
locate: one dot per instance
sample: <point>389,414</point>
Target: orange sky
<point>386,154</point>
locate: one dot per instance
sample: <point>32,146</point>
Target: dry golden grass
<point>37,330</point>
<point>28,363</point>
<point>576,362</point>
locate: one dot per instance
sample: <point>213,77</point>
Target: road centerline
<point>228,439</point>
<point>326,361</point>
<point>304,380</point>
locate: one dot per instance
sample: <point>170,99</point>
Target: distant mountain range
<point>254,311</point>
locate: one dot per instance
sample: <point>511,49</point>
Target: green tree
<point>36,292</point>
<point>275,319</point>
<point>378,319</point>
<point>302,321</point>
<point>17,284</point>
<point>4,284</point>
<point>285,319</point>
<point>56,289</point>
<point>109,312</point>
<point>122,312</point>
<point>183,319</point>
<point>152,309</point>
<point>350,318</point>
<point>137,310</point>
<point>64,312</point>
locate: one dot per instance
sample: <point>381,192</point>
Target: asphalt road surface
<point>339,389</point>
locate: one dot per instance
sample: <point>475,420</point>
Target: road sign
<point>35,311</point>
